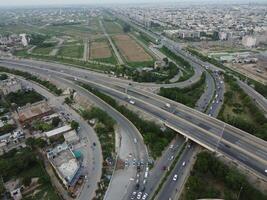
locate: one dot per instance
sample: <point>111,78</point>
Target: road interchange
<point>204,130</point>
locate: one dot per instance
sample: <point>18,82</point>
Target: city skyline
<point>92,2</point>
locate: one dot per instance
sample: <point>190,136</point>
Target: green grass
<point>112,27</point>
<point>75,51</point>
<point>42,50</point>
<point>69,61</point>
<point>141,64</point>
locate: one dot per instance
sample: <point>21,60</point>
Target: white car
<point>145,196</point>
<point>132,102</point>
<point>168,105</point>
<point>265,170</point>
<point>144,181</point>
<point>133,195</point>
<point>183,164</point>
<point>146,174</point>
<point>139,195</point>
<point>175,177</point>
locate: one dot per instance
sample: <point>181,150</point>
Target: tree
<point>55,121</point>
<point>27,181</point>
<point>74,125</point>
<point>68,101</point>
<point>3,77</point>
<point>126,28</point>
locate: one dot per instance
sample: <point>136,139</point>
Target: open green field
<point>75,51</point>
<point>112,27</point>
<point>42,50</point>
<point>17,29</point>
<point>68,61</point>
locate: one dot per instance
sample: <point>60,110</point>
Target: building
<point>65,164</point>
<point>10,85</point>
<point>249,41</point>
<point>58,131</point>
<point>33,111</point>
<point>71,137</point>
<point>159,64</point>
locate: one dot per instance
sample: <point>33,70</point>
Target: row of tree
<point>211,178</point>
<point>28,76</point>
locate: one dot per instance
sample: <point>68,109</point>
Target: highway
<point>173,187</point>
<point>204,130</point>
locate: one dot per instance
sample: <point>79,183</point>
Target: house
<point>71,137</point>
<point>58,131</point>
<point>33,111</point>
<point>159,64</point>
<point>10,85</point>
<point>65,164</point>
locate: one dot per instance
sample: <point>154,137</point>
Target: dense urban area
<point>158,101</point>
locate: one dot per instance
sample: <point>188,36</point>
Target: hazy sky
<point>54,2</point>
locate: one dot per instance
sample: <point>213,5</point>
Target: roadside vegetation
<point>211,178</point>
<point>240,111</point>
<point>51,87</point>
<point>104,128</point>
<point>187,96</point>
<point>188,69</point>
<point>21,97</point>
<point>155,138</point>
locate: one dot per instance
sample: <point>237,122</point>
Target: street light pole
<point>216,150</point>
<point>239,192</point>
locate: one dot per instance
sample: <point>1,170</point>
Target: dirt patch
<point>99,50</point>
<point>130,49</point>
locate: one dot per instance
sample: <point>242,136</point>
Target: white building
<point>249,41</point>
<point>10,85</point>
<point>65,164</point>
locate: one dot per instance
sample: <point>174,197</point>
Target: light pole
<point>241,188</point>
<point>216,150</point>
